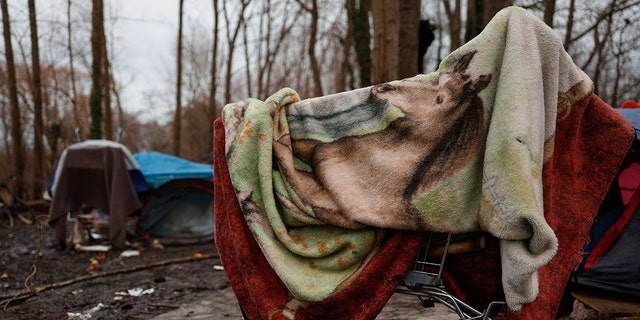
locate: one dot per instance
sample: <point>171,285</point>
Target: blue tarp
<point>159,168</point>
<point>633,115</point>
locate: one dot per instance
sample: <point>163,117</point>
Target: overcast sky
<point>145,36</point>
<point>142,35</point>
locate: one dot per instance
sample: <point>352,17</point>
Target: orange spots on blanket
<point>322,247</point>
<point>312,265</point>
<point>351,247</point>
<point>234,155</point>
<point>247,132</point>
<point>297,238</point>
<point>342,263</point>
<point>304,246</point>
<point>262,137</point>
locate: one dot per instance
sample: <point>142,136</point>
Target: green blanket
<point>457,150</point>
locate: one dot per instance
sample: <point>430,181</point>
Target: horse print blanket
<point>320,181</point>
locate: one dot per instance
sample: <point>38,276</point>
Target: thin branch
<point>25,294</point>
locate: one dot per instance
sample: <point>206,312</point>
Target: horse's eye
<point>439,99</point>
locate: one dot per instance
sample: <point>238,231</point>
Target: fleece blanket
<point>460,149</point>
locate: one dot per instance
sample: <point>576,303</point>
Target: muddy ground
<point>62,281</point>
<point>160,282</point>
<point>40,281</point>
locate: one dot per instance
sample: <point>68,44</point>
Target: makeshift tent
<point>612,261</point>
<point>180,211</point>
<point>96,174</point>
<point>180,208</point>
<point>133,167</point>
<point>159,168</point>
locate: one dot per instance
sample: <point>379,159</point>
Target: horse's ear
<point>482,82</point>
<point>464,61</point>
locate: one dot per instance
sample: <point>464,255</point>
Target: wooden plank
<point>610,305</point>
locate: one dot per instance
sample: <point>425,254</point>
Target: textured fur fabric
<point>461,149</point>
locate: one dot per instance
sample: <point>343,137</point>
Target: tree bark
<point>311,49</point>
<point>549,12</point>
<point>408,29</point>
<point>231,41</point>
<point>361,35</point>
<point>569,31</point>
<point>455,23</point>
<point>177,125</point>
<point>16,128</point>
<point>213,88</point>
<point>107,81</point>
<point>38,145</point>
<point>491,7</point>
<point>74,91</point>
<point>385,41</point>
<point>395,44</point>
<point>95,99</point>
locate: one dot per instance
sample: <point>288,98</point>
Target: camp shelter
<point>159,168</point>
<point>612,261</point>
<point>132,166</point>
<point>95,174</point>
<point>179,210</point>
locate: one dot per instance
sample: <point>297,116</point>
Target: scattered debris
<point>85,315</point>
<point>95,248</point>
<point>135,292</point>
<point>129,253</point>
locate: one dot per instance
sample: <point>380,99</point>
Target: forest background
<point>60,79</point>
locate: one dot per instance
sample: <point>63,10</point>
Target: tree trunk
<point>475,17</point>
<point>385,41</point>
<point>74,97</point>
<point>395,46</point>
<point>549,12</point>
<point>231,41</point>
<point>107,81</point>
<point>311,49</point>
<point>455,23</point>
<point>480,12</point>
<point>177,125</point>
<point>16,128</point>
<point>213,110</point>
<point>491,7</point>
<point>95,99</point>
<point>408,39</point>
<point>569,31</point>
<point>361,35</point>
<point>38,145</point>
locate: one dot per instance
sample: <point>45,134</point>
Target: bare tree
<point>395,49</point>
<point>358,13</point>
<point>312,9</point>
<point>491,7</point>
<point>107,80</point>
<point>177,120</point>
<point>38,145</point>
<point>232,35</point>
<point>480,12</point>
<point>549,11</point>
<point>213,88</point>
<point>74,97</point>
<point>95,99</point>
<point>455,23</point>
<point>16,128</point>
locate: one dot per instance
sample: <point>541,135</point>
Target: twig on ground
<point>163,305</point>
<point>25,294</point>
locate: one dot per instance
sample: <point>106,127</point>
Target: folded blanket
<point>460,149</point>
